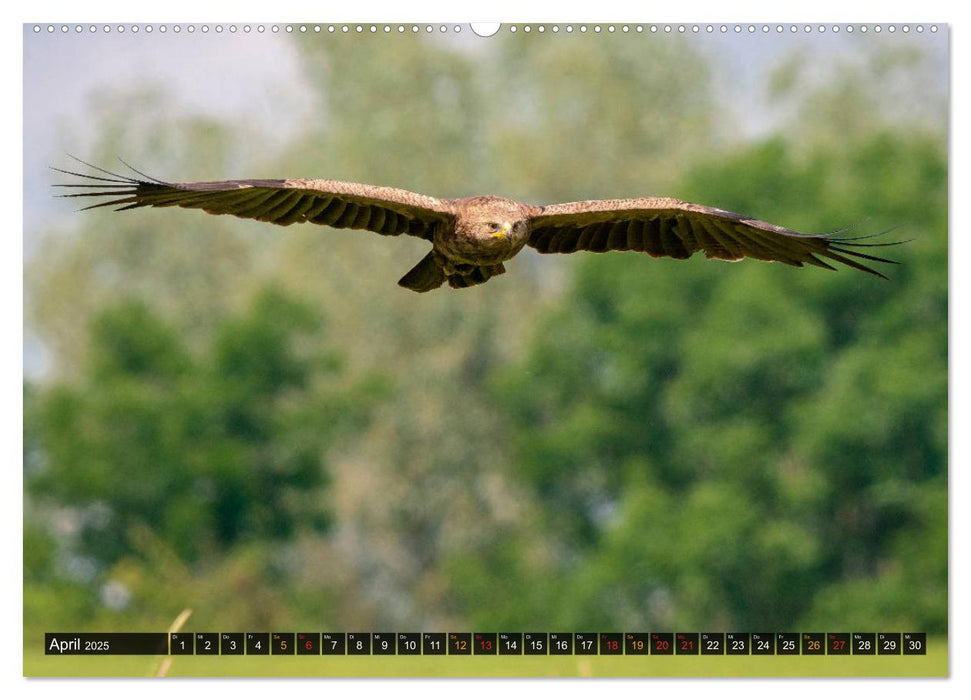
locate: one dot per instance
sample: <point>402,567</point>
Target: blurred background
<point>256,423</point>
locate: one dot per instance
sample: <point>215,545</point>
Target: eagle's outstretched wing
<point>669,227</point>
<point>385,210</point>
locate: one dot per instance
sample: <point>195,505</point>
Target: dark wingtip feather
<point>842,249</point>
<point>88,176</point>
<point>834,235</point>
<point>119,188</point>
<point>139,172</point>
<point>820,263</point>
<point>834,253</point>
<point>112,203</point>
<point>858,254</point>
<point>100,170</point>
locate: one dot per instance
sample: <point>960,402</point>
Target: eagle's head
<point>494,222</point>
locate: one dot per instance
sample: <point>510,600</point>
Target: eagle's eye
<point>494,227</point>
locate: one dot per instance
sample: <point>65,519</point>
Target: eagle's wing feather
<point>385,210</point>
<point>669,227</point>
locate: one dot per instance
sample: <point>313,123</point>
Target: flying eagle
<point>472,237</point>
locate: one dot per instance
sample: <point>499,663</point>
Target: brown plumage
<point>472,237</point>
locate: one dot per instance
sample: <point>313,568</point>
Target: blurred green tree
<point>205,450</point>
<point>754,447</point>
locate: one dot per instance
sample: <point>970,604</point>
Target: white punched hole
<point>485,29</point>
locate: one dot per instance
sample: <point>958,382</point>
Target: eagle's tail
<point>428,275</point>
<point>425,276</point>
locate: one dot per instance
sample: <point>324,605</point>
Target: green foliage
<point>203,450</point>
<point>749,445</point>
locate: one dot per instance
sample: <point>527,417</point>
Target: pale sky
<point>210,74</point>
<point>229,74</point>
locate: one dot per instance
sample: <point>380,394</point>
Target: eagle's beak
<point>506,231</point>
